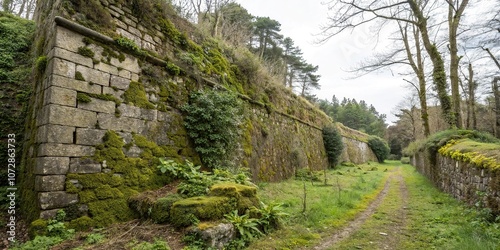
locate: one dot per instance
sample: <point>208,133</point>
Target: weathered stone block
<point>62,67</point>
<point>68,150</point>
<point>125,74</point>
<point>134,31</point>
<point>68,39</point>
<point>127,124</point>
<point>88,136</point>
<point>70,56</point>
<point>130,63</point>
<point>104,67</point>
<point>119,82</point>
<point>129,111</point>
<point>51,165</point>
<point>50,183</point>
<point>149,114</point>
<point>114,8</point>
<point>55,134</point>
<point>84,166</point>
<point>61,96</point>
<point>93,75</point>
<point>116,93</point>
<point>98,105</point>
<point>118,22</point>
<point>48,214</point>
<point>59,199</point>
<point>62,115</point>
<point>133,151</point>
<point>77,85</point>
<point>130,36</point>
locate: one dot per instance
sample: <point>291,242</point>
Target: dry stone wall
<point>462,180</point>
<point>101,115</point>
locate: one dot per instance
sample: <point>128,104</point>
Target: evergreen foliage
<point>212,121</point>
<point>333,145</point>
<point>356,115</point>
<point>379,148</point>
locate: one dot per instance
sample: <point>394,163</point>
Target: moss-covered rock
<point>245,196</point>
<point>187,211</point>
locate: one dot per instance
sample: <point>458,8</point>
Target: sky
<point>302,22</point>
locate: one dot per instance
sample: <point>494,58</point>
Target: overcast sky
<point>301,21</point>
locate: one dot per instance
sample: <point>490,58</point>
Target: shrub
<point>379,147</point>
<point>212,121</point>
<point>333,145</point>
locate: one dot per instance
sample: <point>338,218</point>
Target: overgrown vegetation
<point>212,121</point>
<point>16,63</point>
<point>379,148</point>
<point>333,145</point>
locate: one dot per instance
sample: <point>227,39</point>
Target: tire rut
<point>358,221</point>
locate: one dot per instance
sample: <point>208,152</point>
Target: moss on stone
<point>85,51</point>
<point>83,223</point>
<point>79,76</point>
<point>105,212</point>
<point>38,227</point>
<point>160,211</point>
<point>83,98</point>
<point>183,212</point>
<point>136,95</point>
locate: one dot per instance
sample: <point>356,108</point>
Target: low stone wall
<point>463,181</point>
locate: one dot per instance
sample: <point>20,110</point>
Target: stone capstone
<point>217,236</point>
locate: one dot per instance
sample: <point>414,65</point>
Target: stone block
<point>61,96</point>
<point>133,152</point>
<point>62,67</point>
<point>88,136</point>
<point>70,56</point>
<point>125,74</point>
<point>98,105</point>
<point>93,75</point>
<point>163,116</point>
<point>84,166</point>
<point>116,9</point>
<point>48,214</point>
<point>134,31</point>
<point>130,63</point>
<point>116,93</point>
<point>62,115</point>
<point>68,39</point>
<point>77,85</point>
<point>129,111</point>
<point>129,22</point>
<point>126,124</point>
<point>149,114</point>
<point>58,199</point>
<point>51,165</point>
<point>65,150</point>
<point>120,82</point>
<point>50,183</point>
<point>120,24</point>
<point>55,134</point>
<point>107,68</point>
<point>130,36</point>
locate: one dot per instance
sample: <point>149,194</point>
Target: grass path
<point>377,206</point>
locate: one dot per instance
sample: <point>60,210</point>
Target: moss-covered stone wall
<point>108,101</point>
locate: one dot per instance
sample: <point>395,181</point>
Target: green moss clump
<point>160,212</point>
<point>41,64</point>
<point>173,69</point>
<point>38,227</point>
<point>84,51</point>
<point>185,212</point>
<point>83,98</point>
<point>245,196</point>
<point>105,212</point>
<point>136,95</point>
<point>79,76</point>
<point>83,223</point>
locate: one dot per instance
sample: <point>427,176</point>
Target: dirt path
<point>389,237</point>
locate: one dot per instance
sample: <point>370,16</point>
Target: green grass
<point>349,190</point>
<point>425,219</point>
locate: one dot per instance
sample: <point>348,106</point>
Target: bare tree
<point>349,14</point>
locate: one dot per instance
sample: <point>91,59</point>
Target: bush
<point>212,120</point>
<point>333,145</point>
<point>379,147</point>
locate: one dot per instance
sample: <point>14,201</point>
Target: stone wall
<point>102,113</point>
<point>463,181</point>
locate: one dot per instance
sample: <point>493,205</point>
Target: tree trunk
<point>454,16</point>
<point>496,93</point>
<point>472,98</point>
<point>438,72</point>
